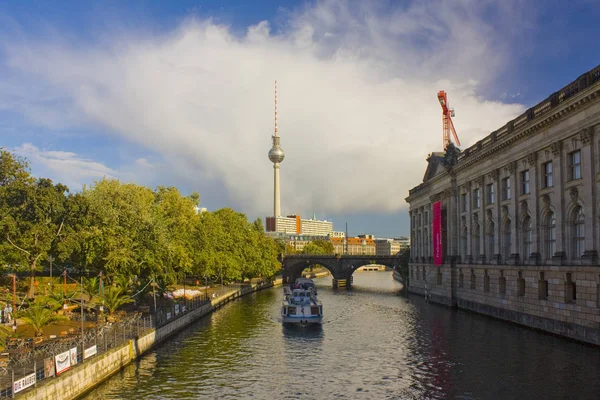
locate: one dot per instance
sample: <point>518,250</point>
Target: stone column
<point>496,216</point>
<point>469,221</point>
<point>412,236</point>
<point>534,211</point>
<point>558,177</point>
<point>515,233</point>
<point>588,168</point>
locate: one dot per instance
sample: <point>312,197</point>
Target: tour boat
<point>300,304</point>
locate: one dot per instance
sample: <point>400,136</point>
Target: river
<point>373,344</point>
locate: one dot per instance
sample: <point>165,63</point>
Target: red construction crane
<point>447,114</point>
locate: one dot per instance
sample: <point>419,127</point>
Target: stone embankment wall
<point>86,376</point>
<point>539,297</point>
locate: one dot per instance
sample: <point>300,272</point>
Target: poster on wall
<point>436,233</point>
<point>48,367</point>
<point>63,362</point>
<point>73,352</point>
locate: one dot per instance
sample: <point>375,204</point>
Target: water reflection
<point>373,344</point>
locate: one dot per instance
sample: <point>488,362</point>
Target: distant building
<point>338,234</point>
<point>293,224</point>
<point>387,247</point>
<point>199,210</point>
<point>354,246</point>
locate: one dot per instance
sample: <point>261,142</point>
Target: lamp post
<point>50,259</point>
<point>82,320</point>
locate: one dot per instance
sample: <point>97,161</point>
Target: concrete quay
<point>84,377</point>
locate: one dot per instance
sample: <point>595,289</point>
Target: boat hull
<point>302,320</point>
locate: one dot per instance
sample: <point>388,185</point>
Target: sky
<point>181,93</point>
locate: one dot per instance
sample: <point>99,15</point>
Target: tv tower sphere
<point>276,154</point>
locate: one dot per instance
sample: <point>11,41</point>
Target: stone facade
<point>520,218</point>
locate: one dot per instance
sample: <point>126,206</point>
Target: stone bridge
<point>341,266</point>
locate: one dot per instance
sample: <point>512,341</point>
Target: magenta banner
<point>437,233</point>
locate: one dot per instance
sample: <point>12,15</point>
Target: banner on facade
<point>436,233</point>
<point>63,362</point>
<point>48,367</point>
<point>90,351</point>
<point>24,383</point>
<point>73,352</point>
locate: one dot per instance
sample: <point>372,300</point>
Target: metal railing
<point>23,358</point>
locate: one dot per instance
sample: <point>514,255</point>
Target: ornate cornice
<point>511,167</point>
<point>493,175</point>
<point>534,126</point>
<point>532,158</point>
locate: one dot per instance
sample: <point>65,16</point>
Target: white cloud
<point>65,167</point>
<point>357,98</point>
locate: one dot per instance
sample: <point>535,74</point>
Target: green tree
<point>39,316</point>
<point>404,256</point>
<point>33,215</point>
<point>4,334</point>
<point>115,297</point>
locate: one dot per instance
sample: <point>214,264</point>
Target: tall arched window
<point>578,232</point>
<point>491,236</point>
<point>550,235</point>
<point>476,235</point>
<point>506,239</point>
<point>426,243</point>
<point>526,244</point>
<point>463,241</point>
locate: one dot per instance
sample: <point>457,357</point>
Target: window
<point>570,289</point>
<point>542,287</point>
<point>502,283</point>
<point>506,242</point>
<point>574,161</point>
<point>486,282</point>
<point>491,238</point>
<point>463,202</point>
<point>521,285</point>
<point>473,282</point>
<point>506,189</point>
<point>490,193</point>
<point>526,248</point>
<point>476,198</point>
<point>426,217</point>
<point>476,235</point>
<point>550,236</point>
<point>548,174</point>
<point>525,182</point>
<point>578,233</point>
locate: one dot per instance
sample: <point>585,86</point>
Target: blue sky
<point>180,93</point>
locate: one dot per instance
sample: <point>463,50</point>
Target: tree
<point>114,297</point>
<point>39,316</point>
<point>404,256</point>
<point>33,215</point>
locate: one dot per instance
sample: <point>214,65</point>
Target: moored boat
<point>301,305</point>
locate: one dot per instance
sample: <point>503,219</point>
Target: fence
<point>25,362</point>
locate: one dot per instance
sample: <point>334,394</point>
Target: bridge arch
<point>341,266</point>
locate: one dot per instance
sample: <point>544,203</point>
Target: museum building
<point>518,218</point>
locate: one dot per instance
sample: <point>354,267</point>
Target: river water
<point>374,344</point>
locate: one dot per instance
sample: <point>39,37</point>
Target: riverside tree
<point>126,231</point>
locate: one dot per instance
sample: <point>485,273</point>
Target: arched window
<point>491,236</point>
<point>463,239</point>
<point>426,242</point>
<point>506,240</point>
<point>550,235</point>
<point>476,235</point>
<point>526,244</point>
<point>578,231</point>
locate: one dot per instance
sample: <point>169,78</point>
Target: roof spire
<point>276,129</point>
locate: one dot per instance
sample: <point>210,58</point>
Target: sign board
<point>176,309</point>
<point>73,352</point>
<point>90,351</point>
<point>49,367</point>
<point>24,383</point>
<point>436,233</point>
<point>168,315</point>
<point>62,361</point>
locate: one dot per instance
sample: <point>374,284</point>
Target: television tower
<point>276,155</point>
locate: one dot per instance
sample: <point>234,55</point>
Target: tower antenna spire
<point>276,129</point>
